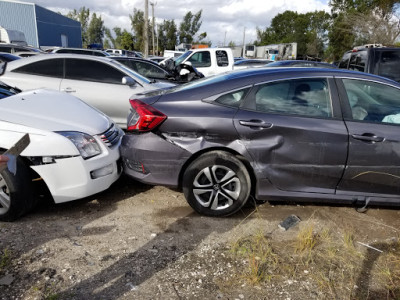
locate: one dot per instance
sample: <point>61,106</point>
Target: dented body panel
<point>296,154</point>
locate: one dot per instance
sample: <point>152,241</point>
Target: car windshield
<point>181,58</point>
<point>131,72</point>
<point>6,90</point>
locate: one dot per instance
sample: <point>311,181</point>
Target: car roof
<point>287,72</point>
<point>20,62</point>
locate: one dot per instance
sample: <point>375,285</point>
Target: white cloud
<point>228,17</point>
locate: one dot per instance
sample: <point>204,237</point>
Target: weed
<point>262,261</point>
<point>5,258</point>
<point>389,272</point>
<point>306,239</point>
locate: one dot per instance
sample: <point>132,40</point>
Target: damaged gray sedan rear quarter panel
<point>184,135</point>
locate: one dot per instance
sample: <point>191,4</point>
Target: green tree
<point>95,32</point>
<point>355,22</point>
<point>109,40</point>
<point>126,40</point>
<point>137,23</point>
<point>167,35</point>
<point>189,26</point>
<point>308,30</point>
<point>83,16</point>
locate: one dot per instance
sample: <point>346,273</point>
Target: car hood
<point>53,111</point>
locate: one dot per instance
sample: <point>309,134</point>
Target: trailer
<point>273,52</point>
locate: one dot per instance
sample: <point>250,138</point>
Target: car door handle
<point>68,90</point>
<point>368,137</point>
<point>255,123</point>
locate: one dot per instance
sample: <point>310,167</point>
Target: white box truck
<point>10,36</point>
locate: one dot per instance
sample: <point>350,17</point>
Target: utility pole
<point>146,28</point>
<point>224,40</point>
<point>157,39</point>
<point>153,28</point>
<point>244,38</point>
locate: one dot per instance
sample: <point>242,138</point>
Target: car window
<point>48,67</point>
<point>358,61</point>
<point>5,49</point>
<point>306,97</point>
<point>200,59</point>
<point>95,53</point>
<point>344,61</point>
<point>222,58</point>
<point>145,69</point>
<point>373,102</point>
<point>389,65</point>
<point>19,49</point>
<point>233,99</point>
<point>90,70</point>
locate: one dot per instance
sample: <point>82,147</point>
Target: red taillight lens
<point>144,117</point>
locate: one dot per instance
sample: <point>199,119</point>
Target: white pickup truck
<point>209,61</point>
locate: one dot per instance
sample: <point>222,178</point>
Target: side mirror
<point>126,80</point>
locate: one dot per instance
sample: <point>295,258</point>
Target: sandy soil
<point>142,242</point>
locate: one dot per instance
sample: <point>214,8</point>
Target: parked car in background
<point>6,57</point>
<point>307,133</point>
<point>121,52</point>
<point>28,54</point>
<point>300,64</point>
<point>80,51</point>
<point>73,151</point>
<point>208,61</point>
<point>181,74</point>
<point>13,48</point>
<point>375,60</point>
<point>99,81</point>
<point>156,59</point>
<point>250,63</point>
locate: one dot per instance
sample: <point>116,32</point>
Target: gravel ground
<point>142,242</point>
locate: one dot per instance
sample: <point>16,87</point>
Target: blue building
<point>42,27</point>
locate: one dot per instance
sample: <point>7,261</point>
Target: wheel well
<point>231,151</point>
<point>40,186</point>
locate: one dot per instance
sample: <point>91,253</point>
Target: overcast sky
<point>220,18</point>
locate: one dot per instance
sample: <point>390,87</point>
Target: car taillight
<point>144,117</point>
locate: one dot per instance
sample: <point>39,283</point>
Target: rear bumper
<point>152,159</point>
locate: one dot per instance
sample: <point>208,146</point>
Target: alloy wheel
<point>216,187</point>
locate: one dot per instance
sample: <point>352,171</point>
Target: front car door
<point>372,116</point>
<point>294,132</point>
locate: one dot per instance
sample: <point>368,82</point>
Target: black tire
<point>216,184</point>
<point>16,197</point>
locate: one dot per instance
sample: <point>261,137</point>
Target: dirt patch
<point>141,242</point>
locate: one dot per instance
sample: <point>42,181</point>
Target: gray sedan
<point>304,133</point>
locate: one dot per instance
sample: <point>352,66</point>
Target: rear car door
<point>100,85</point>
<point>40,74</point>
<point>295,135</point>
<point>372,116</point>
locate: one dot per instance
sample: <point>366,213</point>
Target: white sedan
<point>99,81</point>
<point>73,151</point>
